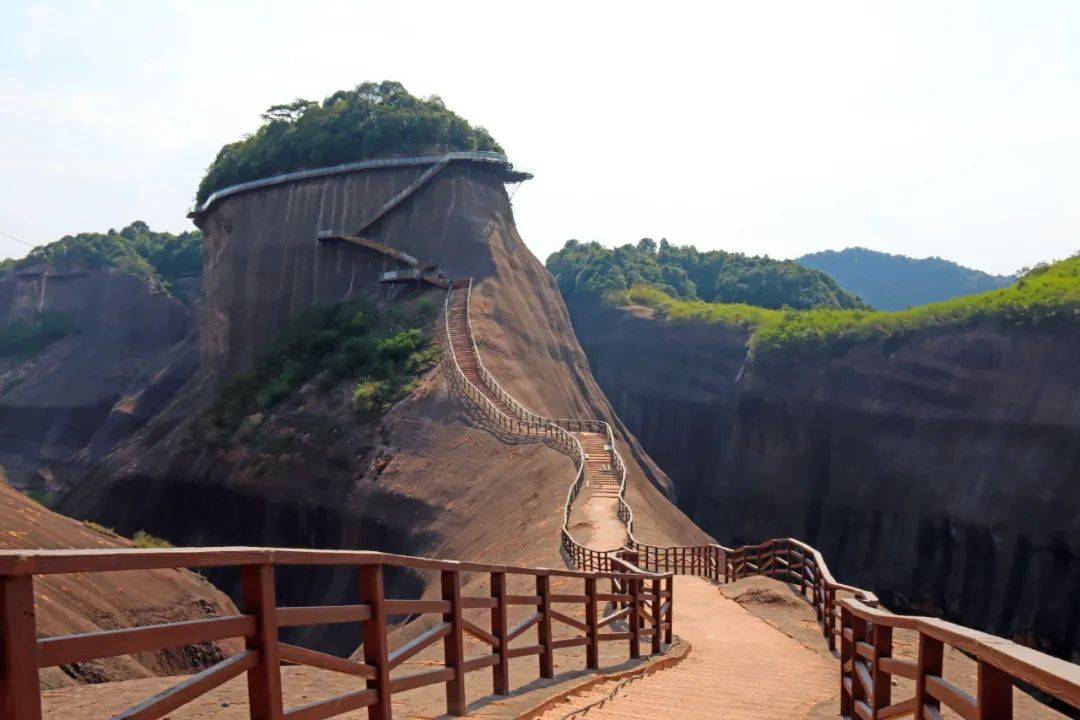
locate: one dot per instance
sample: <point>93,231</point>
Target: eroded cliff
<point>431,476</point>
<point>938,469</point>
<point>131,346</point>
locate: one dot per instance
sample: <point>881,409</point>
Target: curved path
<point>593,512</point>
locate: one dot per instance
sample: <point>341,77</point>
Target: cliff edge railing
<point>648,598</point>
<point>511,415</point>
<point>848,616</point>
<point>437,162</point>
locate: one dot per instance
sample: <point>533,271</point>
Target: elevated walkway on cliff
<point>497,160</point>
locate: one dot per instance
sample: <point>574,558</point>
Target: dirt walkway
<point>739,667</point>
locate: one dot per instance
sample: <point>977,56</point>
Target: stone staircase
<point>600,475</point>
<point>465,350</point>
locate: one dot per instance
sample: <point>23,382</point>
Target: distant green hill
<point>895,282</point>
<point>685,273</point>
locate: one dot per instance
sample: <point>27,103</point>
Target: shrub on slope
<point>383,352</point>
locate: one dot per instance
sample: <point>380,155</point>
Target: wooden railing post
<point>657,617</point>
<point>830,617</point>
<point>994,694</point>
<point>376,648</point>
<point>19,694</point>
<point>454,644</point>
<point>882,640</point>
<point>634,619</point>
<point>859,694</point>
<point>264,679</point>
<point>847,655</point>
<point>500,673</point>
<point>930,662</point>
<point>543,626</point>
<point>592,622</point>
<point>670,619</point>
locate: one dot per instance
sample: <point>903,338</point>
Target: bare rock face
<point>264,265</point>
<point>938,470</point>
<point>89,602</point>
<point>132,347</point>
<point>431,476</point>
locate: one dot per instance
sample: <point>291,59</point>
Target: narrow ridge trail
<point>596,512</point>
<point>778,676</point>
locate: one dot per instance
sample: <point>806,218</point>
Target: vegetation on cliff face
<point>136,249</point>
<point>685,273</point>
<point>373,120</point>
<point>26,338</point>
<point>896,282</point>
<point>1044,295</point>
<point>382,350</point>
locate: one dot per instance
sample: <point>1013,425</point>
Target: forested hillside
<point>373,120</point>
<point>136,250</point>
<point>685,273</point>
<point>1044,295</point>
<point>896,282</point>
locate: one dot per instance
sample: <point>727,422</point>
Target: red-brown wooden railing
<point>851,618</point>
<point>646,600</point>
<point>865,638</point>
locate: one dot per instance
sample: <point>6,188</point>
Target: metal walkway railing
<point>473,156</point>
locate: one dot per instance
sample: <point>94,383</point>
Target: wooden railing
<point>847,615</point>
<point>523,421</point>
<point>646,600</point>
<point>851,617</point>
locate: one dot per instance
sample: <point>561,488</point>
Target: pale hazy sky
<point>947,128</point>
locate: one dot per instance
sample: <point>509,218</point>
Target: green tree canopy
<point>686,273</point>
<point>373,120</point>
<point>136,249</point>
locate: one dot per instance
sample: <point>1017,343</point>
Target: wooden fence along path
<point>635,580</point>
<point>848,616</point>
<point>647,615</point>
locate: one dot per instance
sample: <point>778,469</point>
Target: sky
<point>779,128</point>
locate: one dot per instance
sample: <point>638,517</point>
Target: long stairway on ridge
<point>595,513</point>
<point>465,350</point>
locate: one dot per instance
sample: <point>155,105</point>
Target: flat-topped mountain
<point>930,454</point>
<point>317,419</point>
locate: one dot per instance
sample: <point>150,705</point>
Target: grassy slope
<point>1045,295</point>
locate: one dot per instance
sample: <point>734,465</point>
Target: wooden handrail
<point>526,422</point>
<point>862,630</point>
<point>21,652</point>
